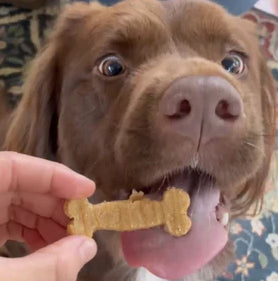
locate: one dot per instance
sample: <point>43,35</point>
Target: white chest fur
<point>145,275</point>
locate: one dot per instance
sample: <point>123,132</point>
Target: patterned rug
<point>22,32</point>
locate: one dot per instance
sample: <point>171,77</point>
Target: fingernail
<point>87,250</point>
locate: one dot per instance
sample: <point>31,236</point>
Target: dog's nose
<point>201,108</point>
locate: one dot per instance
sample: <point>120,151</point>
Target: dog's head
<point>145,95</point>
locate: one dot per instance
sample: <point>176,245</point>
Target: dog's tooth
<point>225,219</point>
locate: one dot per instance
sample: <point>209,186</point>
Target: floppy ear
<point>33,128</point>
<point>254,189</point>
<point>30,128</point>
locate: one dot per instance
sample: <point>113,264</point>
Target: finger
<point>49,230</point>
<point>5,202</point>
<point>33,238</point>
<point>15,231</point>
<point>36,231</point>
<point>23,217</point>
<point>4,234</point>
<point>59,215</point>
<point>5,198</point>
<point>26,173</point>
<point>10,231</point>
<point>39,204</point>
<point>59,262</point>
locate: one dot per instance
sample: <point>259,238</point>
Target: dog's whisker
<point>254,146</point>
<point>199,187</point>
<point>165,179</point>
<point>262,135</point>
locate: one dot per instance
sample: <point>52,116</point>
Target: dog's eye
<point>233,64</point>
<point>111,66</point>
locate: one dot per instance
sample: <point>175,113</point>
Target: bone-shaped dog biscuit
<point>128,215</point>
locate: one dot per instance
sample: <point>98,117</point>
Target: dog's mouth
<point>171,257</point>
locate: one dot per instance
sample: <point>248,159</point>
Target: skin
<point>32,194</point>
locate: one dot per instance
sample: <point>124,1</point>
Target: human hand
<point>32,194</point>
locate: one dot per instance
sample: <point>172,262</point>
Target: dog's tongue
<point>173,258</point>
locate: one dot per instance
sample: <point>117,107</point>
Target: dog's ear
<point>30,127</point>
<point>254,189</point>
<point>33,127</point>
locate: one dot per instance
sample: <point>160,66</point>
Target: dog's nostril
<point>183,109</point>
<point>226,111</point>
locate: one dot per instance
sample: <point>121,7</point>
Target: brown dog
<point>145,95</point>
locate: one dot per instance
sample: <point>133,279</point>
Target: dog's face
<point>145,95</point>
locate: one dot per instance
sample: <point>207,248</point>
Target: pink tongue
<point>173,258</point>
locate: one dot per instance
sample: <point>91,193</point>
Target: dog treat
<point>138,212</point>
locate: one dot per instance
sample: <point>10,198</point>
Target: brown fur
<point>5,111</point>
<point>106,129</point>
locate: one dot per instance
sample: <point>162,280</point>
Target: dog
<point>146,95</point>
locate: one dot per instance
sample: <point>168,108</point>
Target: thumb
<point>60,261</point>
